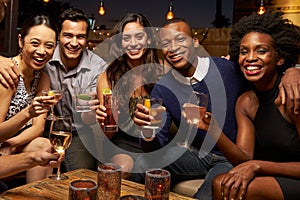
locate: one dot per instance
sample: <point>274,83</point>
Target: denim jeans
<point>191,165</point>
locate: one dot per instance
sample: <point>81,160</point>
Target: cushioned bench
<point>188,188</point>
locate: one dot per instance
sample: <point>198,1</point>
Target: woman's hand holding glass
<point>40,105</point>
<point>101,114</point>
<point>142,115</point>
<point>57,95</point>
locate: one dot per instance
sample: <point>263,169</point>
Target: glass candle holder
<point>82,190</point>
<point>157,184</point>
<point>132,197</point>
<point>109,181</point>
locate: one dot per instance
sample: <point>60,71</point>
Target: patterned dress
<point>21,99</point>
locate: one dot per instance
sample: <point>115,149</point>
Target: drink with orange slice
<point>156,109</point>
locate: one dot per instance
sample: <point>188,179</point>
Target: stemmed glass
<point>195,109</point>
<point>58,96</point>
<point>60,137</point>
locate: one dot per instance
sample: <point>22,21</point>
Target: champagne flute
<point>60,137</point>
<point>195,109</point>
<point>58,96</point>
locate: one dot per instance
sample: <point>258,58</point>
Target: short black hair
<point>176,20</point>
<point>74,15</point>
<point>285,35</point>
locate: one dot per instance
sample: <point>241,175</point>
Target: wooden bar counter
<point>49,189</point>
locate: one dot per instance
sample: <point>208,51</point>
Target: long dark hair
<point>118,65</point>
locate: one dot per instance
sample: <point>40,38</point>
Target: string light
<point>170,13</point>
<point>101,10</point>
<point>261,9</point>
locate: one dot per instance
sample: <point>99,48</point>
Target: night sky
<point>200,13</point>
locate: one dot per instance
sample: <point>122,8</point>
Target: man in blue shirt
<point>217,77</point>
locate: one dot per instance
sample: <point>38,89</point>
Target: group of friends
<point>247,142</point>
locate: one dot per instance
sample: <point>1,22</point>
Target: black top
<point>275,139</point>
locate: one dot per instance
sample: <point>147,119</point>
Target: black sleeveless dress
<point>276,139</point>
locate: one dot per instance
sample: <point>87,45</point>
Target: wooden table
<point>48,189</point>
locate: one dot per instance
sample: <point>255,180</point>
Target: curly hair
<point>285,35</point>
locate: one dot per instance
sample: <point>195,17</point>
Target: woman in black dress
<point>266,155</point>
